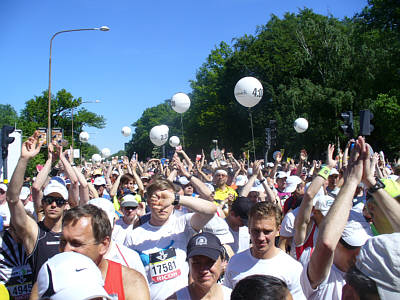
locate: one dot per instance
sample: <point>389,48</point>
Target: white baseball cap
<point>3,186</point>
<point>70,275</point>
<point>357,230</point>
<point>379,259</point>
<point>105,205</point>
<point>281,174</point>
<point>25,192</point>
<point>99,181</point>
<point>56,186</point>
<point>291,183</point>
<point>323,203</point>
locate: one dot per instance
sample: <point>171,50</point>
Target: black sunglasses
<point>130,207</point>
<point>58,200</point>
<point>2,192</point>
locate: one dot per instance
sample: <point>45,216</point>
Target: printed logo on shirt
<point>163,265</point>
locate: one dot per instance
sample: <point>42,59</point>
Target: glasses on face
<point>130,207</point>
<point>98,186</point>
<point>2,192</point>
<point>58,200</point>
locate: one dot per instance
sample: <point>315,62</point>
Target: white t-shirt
<point>287,228</point>
<point>281,266</point>
<point>330,288</point>
<point>241,239</point>
<point>120,231</point>
<point>184,294</point>
<point>163,253</point>
<point>5,213</point>
<point>126,257</point>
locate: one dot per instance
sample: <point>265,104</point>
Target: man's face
<point>281,182</point>
<point>78,237</point>
<point>253,196</point>
<point>99,189</point>
<point>130,213</point>
<point>263,231</point>
<point>53,205</point>
<point>204,270</point>
<point>160,215</point>
<point>333,181</point>
<point>2,195</point>
<point>345,258</point>
<point>220,179</point>
<point>188,189</point>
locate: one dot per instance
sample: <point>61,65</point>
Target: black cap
<point>241,207</point>
<point>206,244</point>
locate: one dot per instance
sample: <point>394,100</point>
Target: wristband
<point>190,177</point>
<point>177,199</point>
<point>262,180</point>
<point>324,172</point>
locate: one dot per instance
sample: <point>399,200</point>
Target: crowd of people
<point>222,229</point>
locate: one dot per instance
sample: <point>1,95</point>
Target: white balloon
<point>96,158</point>
<point>248,91</point>
<point>300,125</point>
<point>159,135</point>
<point>105,152</point>
<point>126,131</point>
<point>174,141</point>
<point>180,102</point>
<point>84,137</point>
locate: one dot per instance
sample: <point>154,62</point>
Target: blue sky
<point>151,52</point>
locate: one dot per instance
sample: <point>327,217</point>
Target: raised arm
<point>247,187</point>
<point>304,214</point>
<point>333,224</point>
<point>73,193</point>
<point>25,227</point>
<point>200,187</point>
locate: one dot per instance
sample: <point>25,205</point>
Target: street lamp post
<point>72,120</point>
<point>102,28</point>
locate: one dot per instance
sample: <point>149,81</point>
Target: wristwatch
<point>378,185</point>
<point>177,199</point>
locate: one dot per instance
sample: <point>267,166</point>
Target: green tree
<point>8,115</point>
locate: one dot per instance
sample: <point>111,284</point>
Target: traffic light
<point>348,126</point>
<point>6,139</point>
<point>365,122</point>
<point>272,126</point>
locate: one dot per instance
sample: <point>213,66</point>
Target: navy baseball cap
<point>206,244</point>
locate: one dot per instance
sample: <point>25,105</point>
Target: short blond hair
<point>266,209</point>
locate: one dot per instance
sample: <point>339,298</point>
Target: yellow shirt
<point>223,194</point>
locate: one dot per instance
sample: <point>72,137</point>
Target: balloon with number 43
<point>248,91</point>
<point>159,135</point>
<point>180,102</point>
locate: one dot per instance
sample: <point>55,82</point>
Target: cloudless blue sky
<point>151,52</point>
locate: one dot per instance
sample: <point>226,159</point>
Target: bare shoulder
<point>135,285</point>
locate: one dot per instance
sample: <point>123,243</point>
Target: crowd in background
<point>177,228</point>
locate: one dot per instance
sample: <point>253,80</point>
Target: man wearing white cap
<point>25,198</point>
<point>100,186</point>
<point>337,244</point>
<point>376,274</point>
<point>129,221</point>
<point>4,210</point>
<point>333,179</point>
<point>41,240</point>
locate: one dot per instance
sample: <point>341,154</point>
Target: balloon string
<point>252,134</point>
<point>183,137</point>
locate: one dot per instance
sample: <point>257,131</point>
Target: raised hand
<point>31,147</point>
<point>329,157</point>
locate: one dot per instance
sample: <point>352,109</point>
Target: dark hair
<point>126,178</point>
<point>266,209</point>
<point>159,184</point>
<point>260,287</point>
<point>100,223</point>
<point>364,286</point>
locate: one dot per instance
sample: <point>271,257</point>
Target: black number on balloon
<point>257,92</point>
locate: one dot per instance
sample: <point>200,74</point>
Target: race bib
<point>163,265</point>
<point>20,283</point>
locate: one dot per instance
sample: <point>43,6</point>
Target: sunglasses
<point>130,207</point>
<point>58,200</point>
<point>2,192</point>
